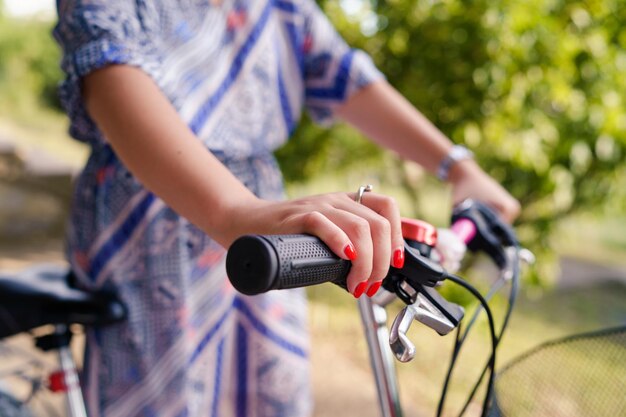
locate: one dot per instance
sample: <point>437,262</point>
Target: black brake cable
<point>492,332</point>
<point>459,340</point>
<point>512,299</point>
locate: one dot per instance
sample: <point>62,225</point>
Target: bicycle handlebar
<point>491,235</point>
<point>256,264</point>
<point>259,263</point>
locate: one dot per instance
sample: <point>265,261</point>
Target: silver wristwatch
<point>457,153</point>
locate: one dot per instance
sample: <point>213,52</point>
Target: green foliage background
<point>536,88</point>
<point>29,67</point>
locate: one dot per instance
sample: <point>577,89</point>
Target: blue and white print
<point>239,73</point>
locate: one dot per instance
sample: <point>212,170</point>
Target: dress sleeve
<point>92,35</point>
<point>332,70</point>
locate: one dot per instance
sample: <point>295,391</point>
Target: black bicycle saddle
<point>43,295</point>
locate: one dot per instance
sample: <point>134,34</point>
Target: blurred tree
<point>535,87</point>
<point>29,66</point>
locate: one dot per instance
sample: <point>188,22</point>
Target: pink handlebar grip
<point>465,229</point>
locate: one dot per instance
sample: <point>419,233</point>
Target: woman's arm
<point>155,144</point>
<point>161,151</point>
<point>158,148</point>
<point>385,116</point>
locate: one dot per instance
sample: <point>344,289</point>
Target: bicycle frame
<point>73,394</point>
<point>379,341</point>
<point>374,319</point>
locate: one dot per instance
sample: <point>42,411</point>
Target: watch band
<point>457,153</point>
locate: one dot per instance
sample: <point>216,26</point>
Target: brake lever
<point>418,271</point>
<point>430,309</point>
<point>413,284</point>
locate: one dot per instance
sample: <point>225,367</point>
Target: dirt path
<point>581,273</point>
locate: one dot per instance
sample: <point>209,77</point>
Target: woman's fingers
<point>378,239</point>
<point>329,225</point>
<point>508,208</point>
<point>317,224</point>
<point>472,182</point>
<point>359,231</point>
<point>384,216</point>
<point>347,235</point>
<point>368,234</point>
<point>388,209</point>
<point>492,194</point>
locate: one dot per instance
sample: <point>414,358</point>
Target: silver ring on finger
<point>362,190</point>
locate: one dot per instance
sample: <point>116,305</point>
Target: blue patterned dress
<point>239,73</point>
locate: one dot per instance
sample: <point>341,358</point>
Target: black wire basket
<point>578,376</point>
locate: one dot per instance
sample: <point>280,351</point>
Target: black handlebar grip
<point>256,264</point>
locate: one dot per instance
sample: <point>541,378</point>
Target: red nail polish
<point>350,251</point>
<point>358,291</point>
<point>398,258</point>
<point>373,289</point>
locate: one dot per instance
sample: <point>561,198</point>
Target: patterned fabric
<point>239,72</point>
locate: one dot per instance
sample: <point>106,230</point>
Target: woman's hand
<point>368,234</point>
<point>470,181</point>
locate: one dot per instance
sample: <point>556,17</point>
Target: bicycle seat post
<point>59,341</point>
<point>75,401</point>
